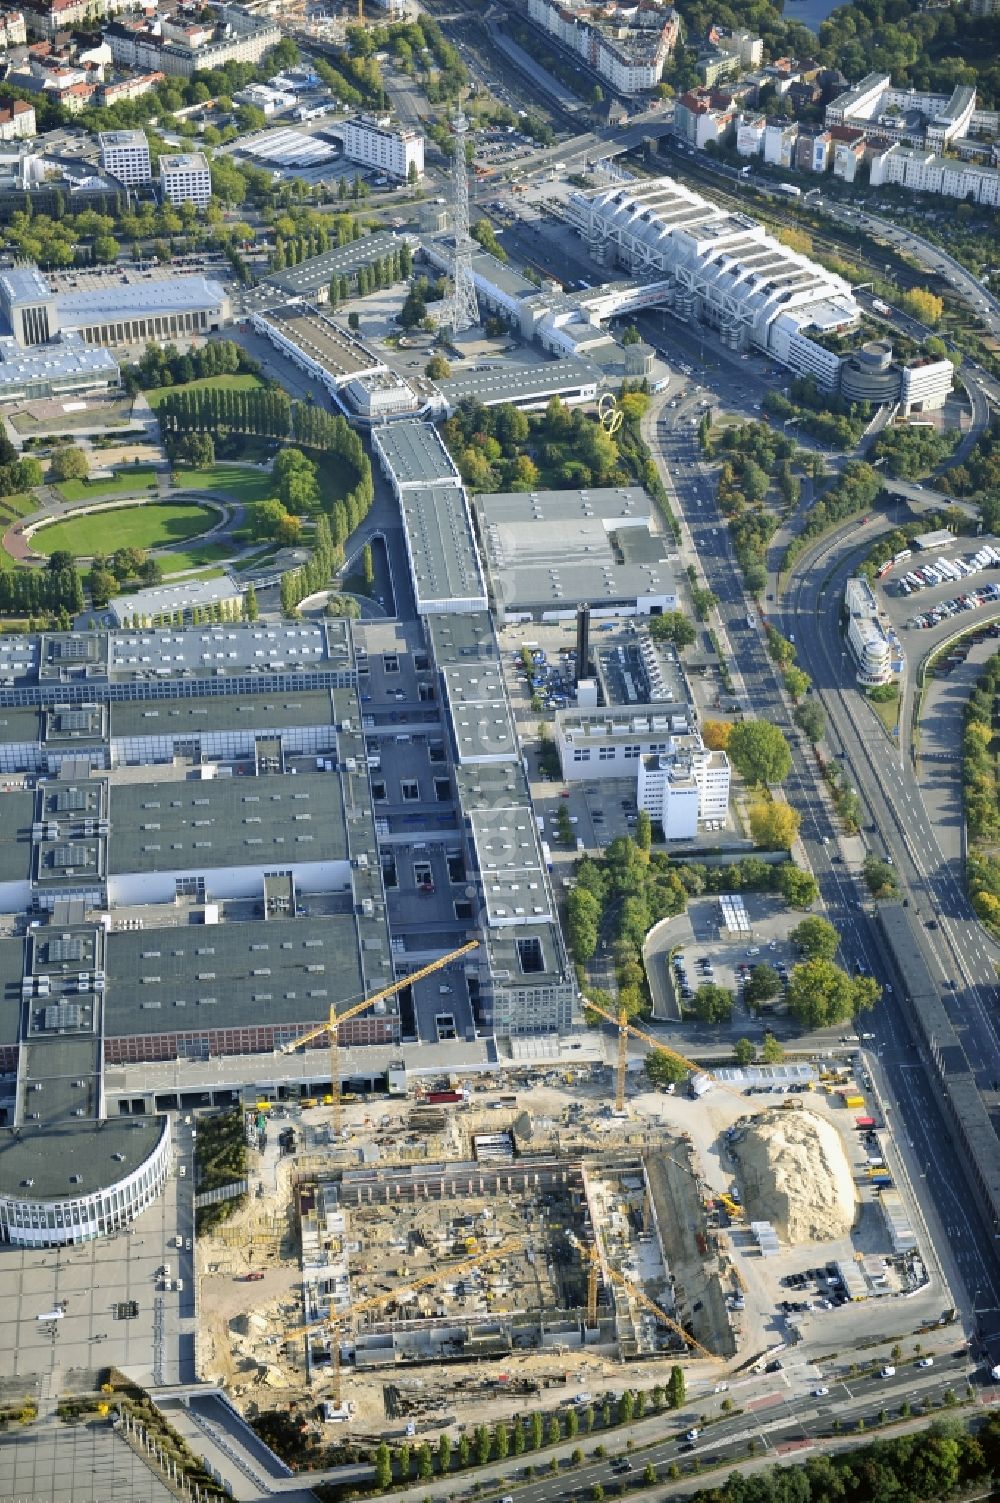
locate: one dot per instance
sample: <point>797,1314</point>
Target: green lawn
<point>20,505</point>
<point>223,383</point>
<point>236,481</point>
<point>128,481</point>
<point>198,556</point>
<point>152,526</point>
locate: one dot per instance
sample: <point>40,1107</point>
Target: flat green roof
<point>237,975</point>
<point>203,823</point>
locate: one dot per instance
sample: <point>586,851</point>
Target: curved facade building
<point>69,1185</point>
<point>869,374</point>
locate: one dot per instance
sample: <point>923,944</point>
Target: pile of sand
<point>793,1172</point>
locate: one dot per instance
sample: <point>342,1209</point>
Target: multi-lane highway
<point>812,614</point>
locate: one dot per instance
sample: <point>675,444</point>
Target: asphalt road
<point>778,1415</point>
<point>963,960</point>
<point>937,1174</point>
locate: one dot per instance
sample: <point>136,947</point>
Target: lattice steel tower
<point>463,311</point>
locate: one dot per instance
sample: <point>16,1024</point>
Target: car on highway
<point>692,1434</point>
<point>926,1362</point>
<point>888,1372</point>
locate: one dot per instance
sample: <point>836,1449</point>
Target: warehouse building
<point>546,551</point>
<point>441,545</point>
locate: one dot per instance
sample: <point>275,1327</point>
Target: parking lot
<point>694,949</point>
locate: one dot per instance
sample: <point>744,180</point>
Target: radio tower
<point>463,312</point>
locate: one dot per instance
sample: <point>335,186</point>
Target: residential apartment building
<point>132,87</point>
<point>48,17</point>
<point>374,142</point>
<point>751,131</point>
<point>125,154</point>
<point>743,45</point>
<point>848,156</point>
<point>238,37</point>
<point>700,116</point>
<point>13,32</point>
<point>18,122</point>
<point>780,138</point>
<point>625,44</point>
<point>186,178</point>
<point>925,172</point>
<point>935,121</point>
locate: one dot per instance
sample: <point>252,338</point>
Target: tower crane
<point>595,1267</point>
<point>335,1021</point>
<point>425,1281</point>
<point>661,1315</point>
<point>625,1030</point>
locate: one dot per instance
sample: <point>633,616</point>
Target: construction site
<point>422,1255</point>
<point>477,1250</point>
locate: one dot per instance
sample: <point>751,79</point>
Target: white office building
<point>186,178</point>
<point>125,155</point>
<point>683,787</point>
<point>374,142</point>
<point>866,634</point>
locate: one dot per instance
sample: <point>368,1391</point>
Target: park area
<point>238,482</point>
<point>126,482</point>
<point>153,525</point>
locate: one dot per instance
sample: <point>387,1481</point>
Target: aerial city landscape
<point>499,750</point>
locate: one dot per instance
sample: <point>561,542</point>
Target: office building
<point>867,635</point>
<point>684,786</point>
<point>373,141</point>
<point>186,178</point>
<point>125,154</point>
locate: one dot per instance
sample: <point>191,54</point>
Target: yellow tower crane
<point>335,1022</point>
<point>625,1031</point>
<point>661,1315</point>
<point>425,1281</point>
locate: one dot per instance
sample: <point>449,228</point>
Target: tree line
<point>373,276</point>
<point>981,789</point>
<point>30,592</point>
<point>165,365</point>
